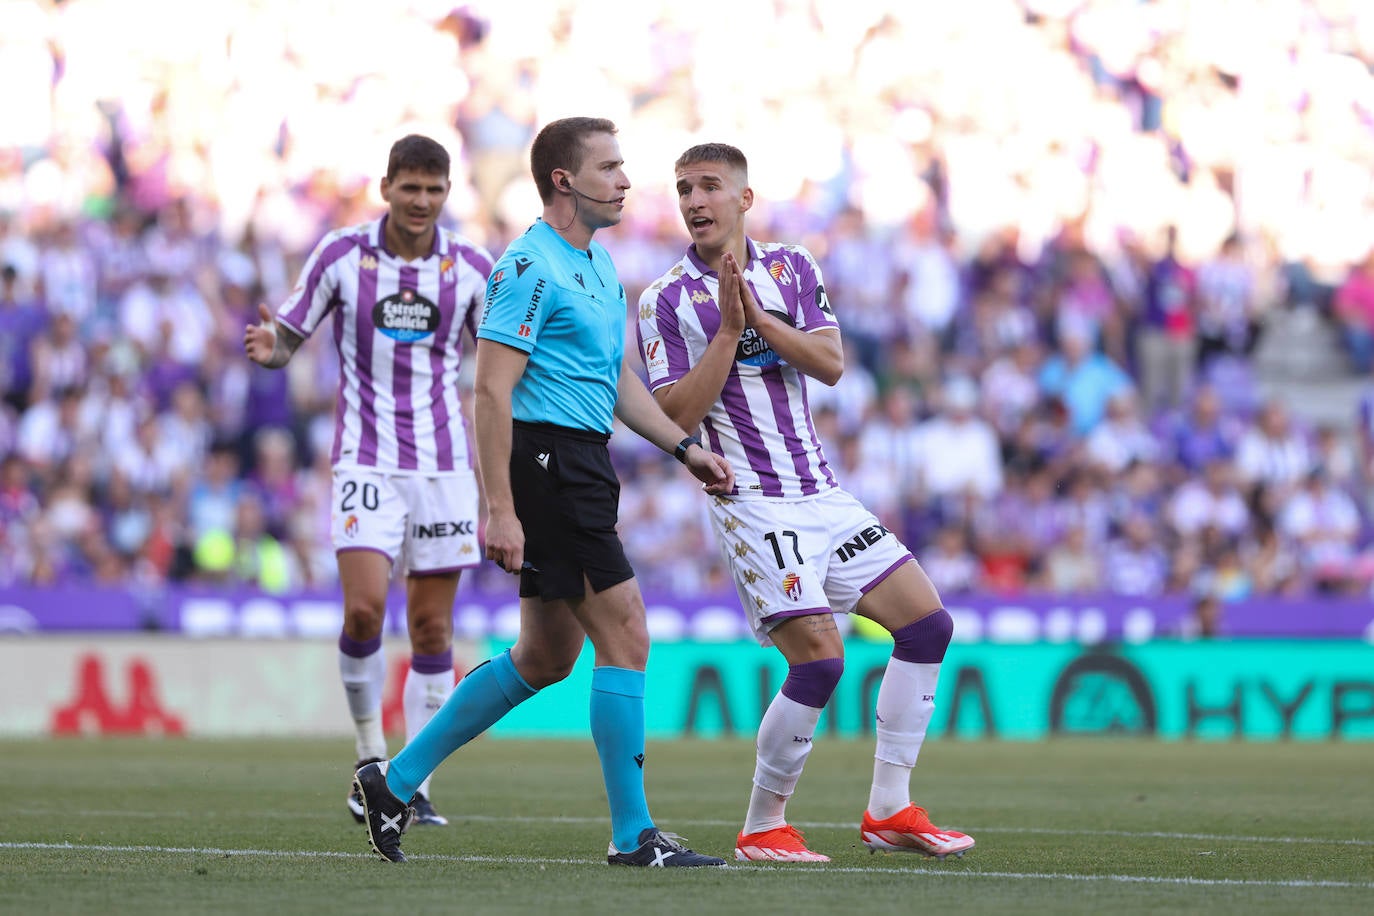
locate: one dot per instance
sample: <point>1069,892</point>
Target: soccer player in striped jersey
<point>400,291</point>
<point>729,336</point>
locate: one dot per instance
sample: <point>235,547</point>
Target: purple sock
<point>432,664</point>
<point>355,649</point>
<point>812,683</point>
<point>924,642</point>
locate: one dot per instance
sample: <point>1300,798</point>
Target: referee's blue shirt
<point>565,307</point>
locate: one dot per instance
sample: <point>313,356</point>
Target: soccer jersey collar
<point>544,228</point>
<point>379,239</point>
<point>696,267</point>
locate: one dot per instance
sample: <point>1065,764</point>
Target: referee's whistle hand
<point>505,542</point>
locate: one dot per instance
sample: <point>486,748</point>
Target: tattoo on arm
<point>285,346</point>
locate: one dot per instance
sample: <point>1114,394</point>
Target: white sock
<point>363,679</point>
<point>783,744</point>
<point>422,697</point>
<point>906,701</point>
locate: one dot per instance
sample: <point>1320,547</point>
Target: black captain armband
<point>680,453</point>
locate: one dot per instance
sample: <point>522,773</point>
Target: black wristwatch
<point>680,453</point>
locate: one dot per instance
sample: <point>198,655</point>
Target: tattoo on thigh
<point>823,623</point>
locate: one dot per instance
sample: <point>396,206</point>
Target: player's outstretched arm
<point>268,343</point>
<point>637,409</point>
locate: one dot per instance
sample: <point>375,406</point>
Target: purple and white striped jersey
<point>398,328</point>
<point>761,422</point>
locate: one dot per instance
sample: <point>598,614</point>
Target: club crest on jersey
<point>792,586</point>
<point>778,271</point>
<point>406,316</point>
<point>445,266</point>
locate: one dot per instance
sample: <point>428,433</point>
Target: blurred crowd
<point>1054,232</point>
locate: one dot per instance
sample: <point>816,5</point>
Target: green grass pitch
<point>1083,826</point>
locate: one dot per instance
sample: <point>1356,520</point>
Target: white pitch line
<point>700,822</point>
<point>934,872</point>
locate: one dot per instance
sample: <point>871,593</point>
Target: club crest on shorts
<point>792,586</point>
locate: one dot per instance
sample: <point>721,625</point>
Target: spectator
<point>1228,313</point>
<point>1134,563</point>
<point>1072,567</point>
<point>1081,377</point>
<point>952,567</point>
<point>1272,452</point>
<point>1166,343</point>
<point>960,464</point>
<point>1355,313</point>
<point>1122,438</point>
<point>1213,502</point>
<point>1322,523</point>
<point>22,320</point>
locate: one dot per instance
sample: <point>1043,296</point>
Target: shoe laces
<point>671,840</point>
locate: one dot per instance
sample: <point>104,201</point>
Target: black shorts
<point>567,497</point>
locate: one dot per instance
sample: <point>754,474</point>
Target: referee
<point>550,382</point>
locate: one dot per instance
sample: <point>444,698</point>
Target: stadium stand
<point>1110,239</point>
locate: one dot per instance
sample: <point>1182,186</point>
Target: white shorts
<point>427,524</point>
<point>794,557</point>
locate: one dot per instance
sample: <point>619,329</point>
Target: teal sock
<point>487,693</point>
<point>618,732</point>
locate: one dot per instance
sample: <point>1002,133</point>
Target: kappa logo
<point>732,523</point>
<point>742,550</point>
<point>749,576</point>
<point>700,296</point>
<point>778,271</point>
<point>792,586</point>
<point>522,264</point>
<point>676,271</point>
<point>367,262</point>
<point>646,311</point>
<point>759,603</point>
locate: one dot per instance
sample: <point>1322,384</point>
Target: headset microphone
<point>567,186</point>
